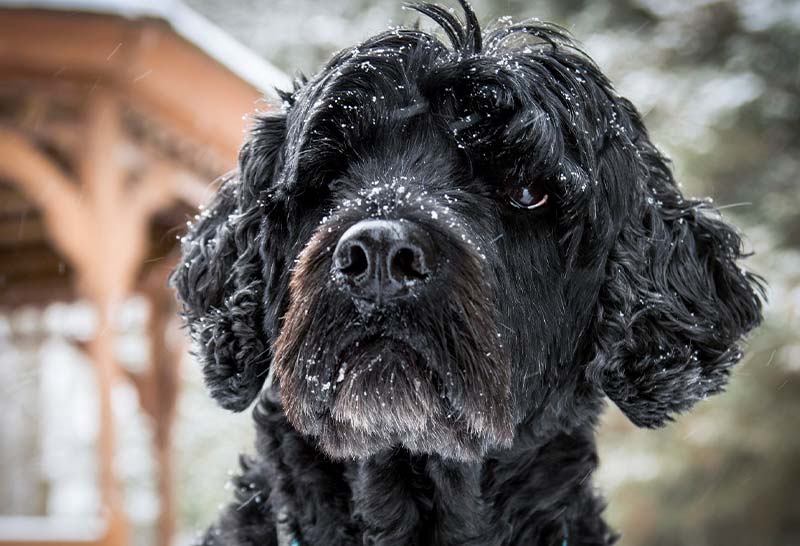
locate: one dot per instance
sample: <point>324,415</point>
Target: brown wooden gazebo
<point>114,119</point>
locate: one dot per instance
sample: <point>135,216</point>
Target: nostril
<point>408,265</point>
<point>354,261</point>
<point>382,260</point>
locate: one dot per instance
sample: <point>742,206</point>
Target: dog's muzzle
<point>376,261</point>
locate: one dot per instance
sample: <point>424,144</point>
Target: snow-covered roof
<point>188,24</point>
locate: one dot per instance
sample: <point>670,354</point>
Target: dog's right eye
<point>525,197</point>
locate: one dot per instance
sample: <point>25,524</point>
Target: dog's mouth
<point>384,389</point>
<point>375,386</point>
<point>377,352</point>
<point>385,383</point>
<point>375,345</point>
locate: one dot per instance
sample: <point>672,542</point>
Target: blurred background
<point>116,115</point>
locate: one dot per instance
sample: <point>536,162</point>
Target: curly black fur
<point>465,413</point>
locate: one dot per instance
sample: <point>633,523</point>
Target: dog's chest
<point>419,502</point>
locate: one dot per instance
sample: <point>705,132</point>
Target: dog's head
<point>442,246</point>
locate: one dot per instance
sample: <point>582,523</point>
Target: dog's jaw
<point>387,395</point>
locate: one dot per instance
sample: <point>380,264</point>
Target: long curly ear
<point>675,304</point>
<point>219,280</point>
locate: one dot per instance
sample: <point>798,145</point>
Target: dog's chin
<point>341,441</point>
<point>386,394</point>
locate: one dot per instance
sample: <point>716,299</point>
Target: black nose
<point>379,260</point>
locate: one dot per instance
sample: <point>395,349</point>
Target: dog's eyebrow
<point>412,110</point>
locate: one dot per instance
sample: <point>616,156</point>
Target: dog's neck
<point>405,498</point>
<point>537,492</point>
<point>525,495</point>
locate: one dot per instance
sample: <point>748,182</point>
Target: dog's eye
<point>525,197</point>
<point>335,184</point>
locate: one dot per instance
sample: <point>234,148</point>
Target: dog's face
<point>444,247</point>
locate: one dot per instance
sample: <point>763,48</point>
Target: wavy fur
<point>464,414</point>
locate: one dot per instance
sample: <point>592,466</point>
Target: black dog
<point>440,259</point>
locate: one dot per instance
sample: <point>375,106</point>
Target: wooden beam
<point>31,260</point>
<point>105,277</point>
<point>14,204</point>
<point>146,61</point>
<point>41,181</point>
<point>35,291</point>
<point>22,230</point>
<point>163,381</point>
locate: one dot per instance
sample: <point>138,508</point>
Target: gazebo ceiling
<point>159,73</point>
<point>181,106</point>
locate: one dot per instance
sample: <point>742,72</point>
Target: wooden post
<point>105,278</point>
<point>162,386</point>
<point>101,352</point>
<point>75,226</point>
